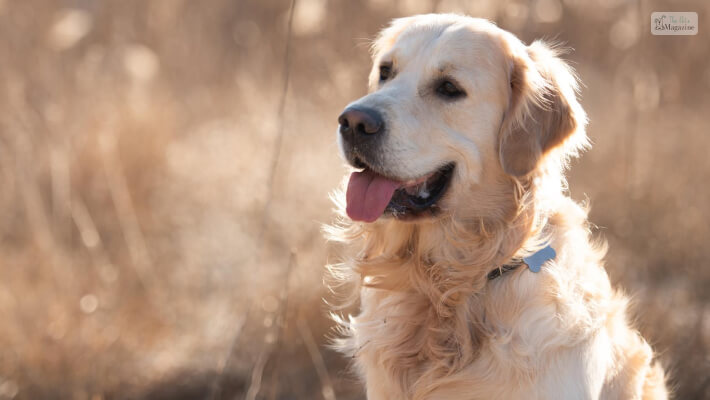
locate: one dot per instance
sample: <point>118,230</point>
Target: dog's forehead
<point>444,43</point>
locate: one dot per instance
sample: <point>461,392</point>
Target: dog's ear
<point>543,113</point>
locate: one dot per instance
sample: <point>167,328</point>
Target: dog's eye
<point>385,72</point>
<point>449,90</point>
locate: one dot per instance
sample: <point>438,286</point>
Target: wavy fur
<point>431,326</point>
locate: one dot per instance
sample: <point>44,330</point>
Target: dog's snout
<point>360,123</point>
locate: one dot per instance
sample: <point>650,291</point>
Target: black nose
<point>359,123</point>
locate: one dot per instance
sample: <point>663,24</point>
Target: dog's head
<point>455,104</point>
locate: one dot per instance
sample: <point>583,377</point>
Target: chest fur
<point>405,347</point>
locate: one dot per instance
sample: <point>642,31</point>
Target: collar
<point>533,261</point>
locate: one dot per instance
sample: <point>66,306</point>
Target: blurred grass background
<point>164,169</point>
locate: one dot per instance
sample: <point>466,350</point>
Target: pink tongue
<point>368,195</point>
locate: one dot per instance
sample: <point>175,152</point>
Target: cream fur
<point>431,326</point>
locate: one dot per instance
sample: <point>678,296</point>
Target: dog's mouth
<point>370,194</point>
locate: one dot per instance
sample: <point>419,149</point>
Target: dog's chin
<point>411,200</point>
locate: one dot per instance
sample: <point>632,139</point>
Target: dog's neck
<point>451,254</point>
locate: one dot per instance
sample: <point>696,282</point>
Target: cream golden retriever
<point>475,273</point>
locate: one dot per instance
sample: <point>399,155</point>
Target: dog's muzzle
<point>361,129</point>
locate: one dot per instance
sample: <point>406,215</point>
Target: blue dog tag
<point>536,260</point>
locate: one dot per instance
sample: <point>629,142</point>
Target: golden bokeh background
<point>165,169</point>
